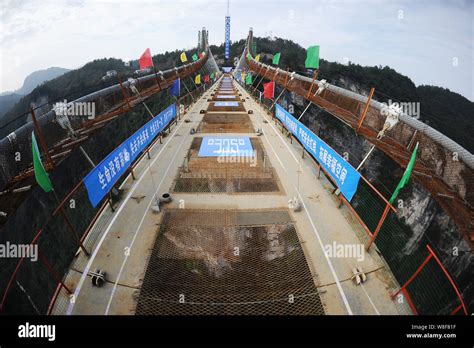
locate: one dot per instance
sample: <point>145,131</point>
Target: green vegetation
<point>446,111</point>
<point>77,83</point>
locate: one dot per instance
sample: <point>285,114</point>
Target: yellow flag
<point>197,80</point>
<point>184,59</point>
<point>243,76</point>
<point>257,58</point>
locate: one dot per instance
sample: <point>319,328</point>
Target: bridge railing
<point>444,167</point>
<point>33,286</point>
<point>426,284</point>
<point>109,102</point>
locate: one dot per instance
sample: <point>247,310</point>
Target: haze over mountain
<point>33,80</point>
<point>444,110</point>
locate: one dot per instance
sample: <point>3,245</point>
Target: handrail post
<point>123,93</point>
<point>379,226</point>
<point>438,261</point>
<point>366,108</point>
<point>312,83</point>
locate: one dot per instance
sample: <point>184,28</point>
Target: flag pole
<point>41,139</point>
<point>276,100</point>
<point>188,90</point>
<point>156,75</point>
<point>263,76</point>
<point>195,87</point>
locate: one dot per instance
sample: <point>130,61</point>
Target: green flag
<point>248,79</point>
<point>212,75</point>
<point>406,175</point>
<point>276,58</point>
<point>249,56</point>
<point>194,57</point>
<point>41,176</point>
<point>312,58</point>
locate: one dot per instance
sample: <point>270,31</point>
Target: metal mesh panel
<point>105,99</point>
<point>430,291</point>
<point>34,286</point>
<point>214,262</point>
<point>205,174</point>
<point>226,123</point>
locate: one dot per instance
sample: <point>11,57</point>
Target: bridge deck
<point>123,242</point>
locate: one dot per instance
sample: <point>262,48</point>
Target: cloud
<point>423,44</point>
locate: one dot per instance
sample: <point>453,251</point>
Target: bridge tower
<point>227,34</point>
<point>203,42</point>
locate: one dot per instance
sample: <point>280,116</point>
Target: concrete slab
<point>124,238</point>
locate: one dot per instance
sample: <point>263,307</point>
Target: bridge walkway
<point>122,242</point>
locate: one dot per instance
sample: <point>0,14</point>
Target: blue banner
<point>345,176</point>
<point>104,176</point>
<point>175,89</point>
<point>226,146</point>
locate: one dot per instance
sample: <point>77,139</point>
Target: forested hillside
<point>77,83</point>
<point>446,111</point>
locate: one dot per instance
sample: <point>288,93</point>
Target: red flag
<point>145,59</point>
<point>200,55</point>
<point>206,78</point>
<point>269,90</point>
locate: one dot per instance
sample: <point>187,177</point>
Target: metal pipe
<point>50,115</point>
<point>430,132</point>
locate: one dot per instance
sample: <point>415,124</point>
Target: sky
<point>430,41</point>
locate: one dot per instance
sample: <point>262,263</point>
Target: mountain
<point>9,99</point>
<point>38,77</point>
<point>77,83</point>
<point>444,110</point>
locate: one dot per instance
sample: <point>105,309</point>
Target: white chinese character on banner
<point>122,160</point>
<point>107,174</point>
<point>117,164</point>
<point>342,178</point>
<point>321,153</point>
<point>112,168</point>
<point>338,169</point>
<point>126,155</point>
<point>102,182</point>
<point>313,146</point>
<point>328,160</point>
<point>333,165</point>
